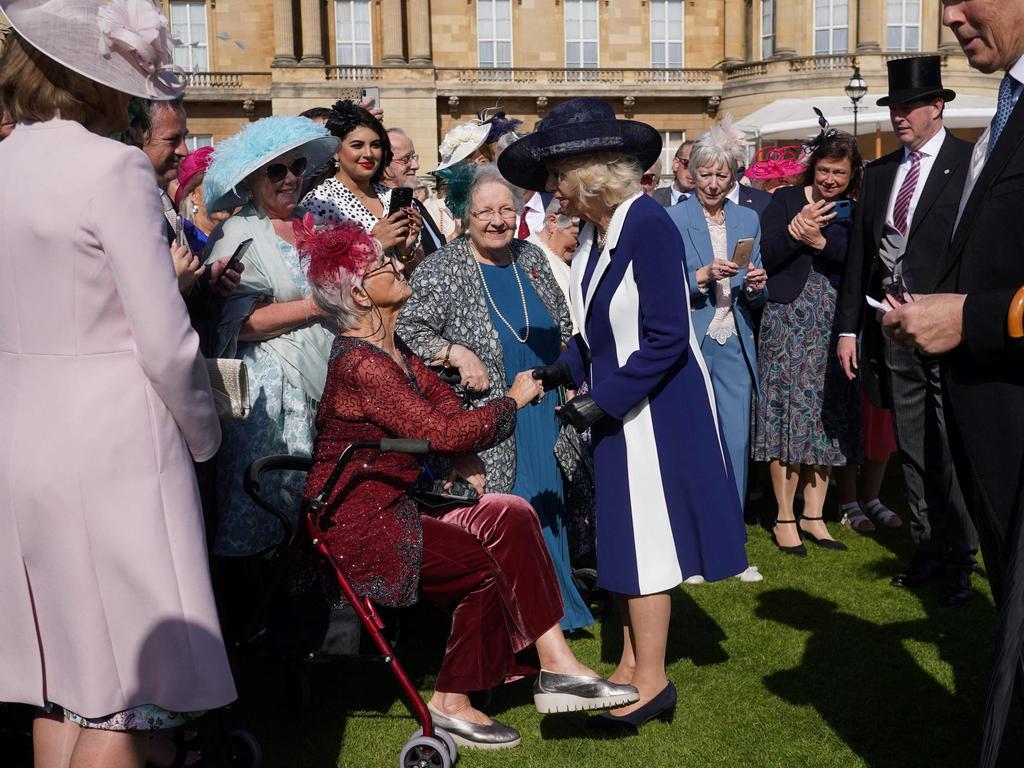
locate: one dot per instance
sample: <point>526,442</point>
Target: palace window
<point>667,34</point>
<point>831,26</point>
<point>767,29</point>
<point>353,33</point>
<point>196,140</point>
<point>581,34</point>
<point>188,26</point>
<point>903,25</point>
<point>494,33</point>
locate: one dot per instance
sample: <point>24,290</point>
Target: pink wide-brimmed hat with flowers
<point>123,44</point>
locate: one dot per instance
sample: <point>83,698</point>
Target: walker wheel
<point>443,735</point>
<point>245,751</point>
<point>425,752</point>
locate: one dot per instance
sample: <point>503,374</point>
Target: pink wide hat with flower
<point>122,44</point>
<point>777,163</point>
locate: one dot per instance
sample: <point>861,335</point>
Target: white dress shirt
<point>677,195</point>
<point>929,150</point>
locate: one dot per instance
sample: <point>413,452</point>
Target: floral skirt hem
<point>145,717</point>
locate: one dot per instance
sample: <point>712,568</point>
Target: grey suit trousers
<point>940,525</point>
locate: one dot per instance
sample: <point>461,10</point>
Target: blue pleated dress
<point>538,478</point>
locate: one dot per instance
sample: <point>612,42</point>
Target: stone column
<point>947,40</point>
<point>735,28</point>
<point>419,33</point>
<point>870,25</point>
<point>312,33</point>
<point>391,23</point>
<point>284,34</point>
<point>792,21</point>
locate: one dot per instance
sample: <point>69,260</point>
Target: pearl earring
<point>195,209</point>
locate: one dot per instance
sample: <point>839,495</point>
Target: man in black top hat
<point>901,229</point>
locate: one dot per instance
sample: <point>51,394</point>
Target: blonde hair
<point>35,88</point>
<point>611,177</point>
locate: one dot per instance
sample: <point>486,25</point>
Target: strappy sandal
<point>852,516</point>
<point>882,515</point>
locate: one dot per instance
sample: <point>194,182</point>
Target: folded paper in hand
<point>875,304</point>
<point>229,381</point>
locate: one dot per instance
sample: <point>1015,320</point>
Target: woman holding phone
<point>355,193</point>
<point>725,280</point>
<point>807,413</point>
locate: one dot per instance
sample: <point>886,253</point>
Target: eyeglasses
<point>277,171</point>
<point>507,214</point>
<point>407,159</point>
<point>391,262</point>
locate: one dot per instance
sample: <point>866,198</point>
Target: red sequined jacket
<point>371,523</point>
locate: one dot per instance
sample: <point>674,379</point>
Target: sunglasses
<point>277,171</point>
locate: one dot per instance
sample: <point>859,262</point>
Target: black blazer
<point>429,228</point>
<point>755,199</point>
<point>789,261</point>
<point>984,385</point>
<point>927,242</point>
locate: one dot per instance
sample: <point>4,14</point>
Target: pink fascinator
<point>777,163</point>
<point>334,252</point>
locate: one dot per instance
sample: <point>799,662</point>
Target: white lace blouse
<point>723,324</point>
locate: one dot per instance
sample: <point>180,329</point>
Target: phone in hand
<point>179,224</point>
<point>742,252</point>
<point>843,209</point>
<point>236,257</point>
<point>401,197</point>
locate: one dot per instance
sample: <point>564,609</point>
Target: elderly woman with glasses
<point>486,560</point>
<point>488,306</point>
<point>270,321</point>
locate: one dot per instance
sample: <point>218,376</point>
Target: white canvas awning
<point>793,119</point>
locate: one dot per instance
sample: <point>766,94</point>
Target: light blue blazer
<point>740,222</point>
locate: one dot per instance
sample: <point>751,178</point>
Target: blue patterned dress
<point>538,477</point>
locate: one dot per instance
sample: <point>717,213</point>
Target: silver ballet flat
<point>475,736</point>
<point>553,692</point>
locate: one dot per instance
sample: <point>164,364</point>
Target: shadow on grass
<point>870,689</point>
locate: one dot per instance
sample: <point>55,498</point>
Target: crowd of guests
<point>603,363</point>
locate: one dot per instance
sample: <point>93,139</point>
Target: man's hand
<point>933,324</point>
<point>848,356</point>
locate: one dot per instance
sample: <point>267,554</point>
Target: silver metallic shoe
<point>553,692</point>
<point>475,736</point>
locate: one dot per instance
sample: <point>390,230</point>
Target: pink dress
<point>105,598</point>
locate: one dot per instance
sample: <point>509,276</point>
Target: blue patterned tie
<point>1004,106</point>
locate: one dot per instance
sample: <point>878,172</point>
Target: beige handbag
<point>229,380</point>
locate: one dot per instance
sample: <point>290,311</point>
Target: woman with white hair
<point>487,305</point>
<point>558,239</point>
<point>722,292</point>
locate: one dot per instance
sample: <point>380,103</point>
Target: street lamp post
<point>856,89</point>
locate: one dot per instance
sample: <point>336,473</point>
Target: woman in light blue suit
<point>721,293</point>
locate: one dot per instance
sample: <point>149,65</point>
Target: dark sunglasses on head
<point>277,171</point>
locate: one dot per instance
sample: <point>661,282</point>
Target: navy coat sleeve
<point>654,247</point>
<point>778,249</point>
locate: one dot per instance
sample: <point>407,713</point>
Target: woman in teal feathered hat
<point>270,322</point>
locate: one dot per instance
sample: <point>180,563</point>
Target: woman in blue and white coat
<point>722,294</point>
<point>667,506</point>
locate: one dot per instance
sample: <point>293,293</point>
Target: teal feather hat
<point>235,159</point>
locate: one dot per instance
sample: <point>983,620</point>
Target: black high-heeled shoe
<point>661,707</point>
<point>799,550</point>
<point>838,546</point>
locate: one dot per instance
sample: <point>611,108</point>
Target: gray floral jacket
<point>448,305</point>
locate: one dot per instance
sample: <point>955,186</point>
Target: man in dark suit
<point>402,173</point>
<point>904,219</point>
<point>682,185</point>
<point>754,199</point>
<point>983,367</point>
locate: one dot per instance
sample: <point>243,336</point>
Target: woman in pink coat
<point>107,619</point>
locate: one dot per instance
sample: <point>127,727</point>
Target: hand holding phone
<point>843,209</point>
<point>401,197</point>
<point>236,258</point>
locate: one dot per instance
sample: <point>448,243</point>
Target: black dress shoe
<point>922,570</point>
<point>661,707</point>
<point>957,589</point>
<point>799,550</point>
<point>829,543</point>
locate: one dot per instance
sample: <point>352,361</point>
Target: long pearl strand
<point>494,306</point>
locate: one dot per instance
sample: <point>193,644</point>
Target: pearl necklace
<point>522,299</point>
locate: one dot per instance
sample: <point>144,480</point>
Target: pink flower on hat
<point>136,30</point>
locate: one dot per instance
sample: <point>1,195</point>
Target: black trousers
<point>940,525</point>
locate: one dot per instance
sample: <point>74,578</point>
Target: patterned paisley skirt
<point>807,411</point>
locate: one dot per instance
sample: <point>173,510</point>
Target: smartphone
<point>372,92</point>
<point>843,209</point>
<point>236,257</point>
<point>742,252</point>
<point>401,197</point>
<point>179,223</point>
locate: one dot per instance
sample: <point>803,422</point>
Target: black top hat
<point>578,127</point>
<point>915,79</point>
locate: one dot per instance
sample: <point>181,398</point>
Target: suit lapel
<point>1007,145</point>
<point>886,177</point>
<point>697,229</point>
<point>943,169</point>
<point>614,230</point>
<point>576,271</point>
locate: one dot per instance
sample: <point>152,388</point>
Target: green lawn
<point>822,664</point>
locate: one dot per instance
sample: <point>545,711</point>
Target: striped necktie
<point>901,209</point>
<point>1004,106</point>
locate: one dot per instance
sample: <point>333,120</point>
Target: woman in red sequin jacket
<point>486,561</point>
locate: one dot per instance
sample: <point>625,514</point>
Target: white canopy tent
<point>794,119</point>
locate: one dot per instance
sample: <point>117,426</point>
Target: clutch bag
<point>229,381</point>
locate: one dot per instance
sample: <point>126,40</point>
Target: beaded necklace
<point>522,299</point>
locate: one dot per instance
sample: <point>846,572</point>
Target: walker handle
<point>1015,317</point>
<point>405,446</point>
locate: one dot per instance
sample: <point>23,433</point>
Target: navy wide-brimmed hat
<point>577,127</point>
<point>915,79</point>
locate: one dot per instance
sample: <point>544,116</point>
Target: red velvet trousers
<point>489,564</point>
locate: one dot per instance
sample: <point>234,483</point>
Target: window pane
<point>199,59</point>
<point>504,54</point>
<point>912,40</point>
<point>484,11</point>
<point>912,14</point>
<point>590,54</point>
<point>895,11</point>
<point>675,12</point>
<point>840,41</point>
<point>894,39</point>
<point>821,41</point>
<point>503,10</point>
<point>590,11</point>
<point>572,54</point>
<point>675,54</point>
<point>486,54</point>
<point>572,15</point>
<point>657,55</point>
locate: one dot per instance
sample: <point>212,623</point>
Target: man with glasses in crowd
<point>682,186</point>
<point>402,173</point>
